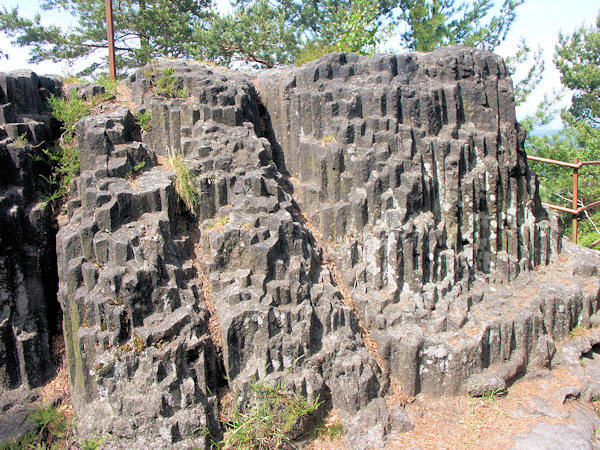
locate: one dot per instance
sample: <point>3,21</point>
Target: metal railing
<point>576,209</point>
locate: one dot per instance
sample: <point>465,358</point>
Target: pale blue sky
<point>539,21</point>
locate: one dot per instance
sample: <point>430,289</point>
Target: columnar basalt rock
<point>142,280</point>
<point>28,278</point>
<point>413,166</point>
<point>427,227</point>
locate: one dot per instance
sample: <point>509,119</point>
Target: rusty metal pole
<point>111,41</point>
<point>575,200</point>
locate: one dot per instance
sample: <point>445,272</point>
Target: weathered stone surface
<point>428,226</point>
<point>413,166</point>
<point>15,408</point>
<point>28,280</point>
<point>141,279</point>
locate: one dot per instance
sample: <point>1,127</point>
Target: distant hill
<point>544,131</point>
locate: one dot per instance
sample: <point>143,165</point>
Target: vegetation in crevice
<point>63,157</point>
<point>185,183</point>
<point>273,419</point>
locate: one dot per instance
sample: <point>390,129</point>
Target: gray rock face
<point>413,170</point>
<point>161,306</point>
<point>413,165</point>
<point>28,279</point>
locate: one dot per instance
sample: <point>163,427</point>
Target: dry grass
<point>58,390</point>
<point>213,322</point>
<point>124,96</point>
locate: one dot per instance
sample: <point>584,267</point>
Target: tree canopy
<point>144,30</point>
<point>263,32</point>
<point>577,58</point>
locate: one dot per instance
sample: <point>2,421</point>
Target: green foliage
<point>50,419</point>
<point>576,58</point>
<point>312,51</point>
<point>525,86</point>
<point>110,86</point>
<point>22,140</point>
<point>185,183</point>
<point>168,86</point>
<point>139,166</point>
<point>436,23</point>
<point>331,431</point>
<point>144,120</point>
<point>144,30</point>
<point>27,440</point>
<point>91,444</point>
<point>362,28</point>
<point>69,110</point>
<point>64,158</point>
<point>268,422</point>
<point>495,394</point>
<point>260,32</point>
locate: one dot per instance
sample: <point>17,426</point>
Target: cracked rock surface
<point>362,224</point>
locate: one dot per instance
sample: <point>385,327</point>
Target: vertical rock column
<point>29,311</point>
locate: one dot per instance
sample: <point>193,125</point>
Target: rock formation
<point>361,224</point>
<point>29,312</point>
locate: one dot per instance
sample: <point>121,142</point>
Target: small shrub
<point>22,140</point>
<point>91,444</point>
<point>69,110</point>
<point>577,332</point>
<point>73,79</point>
<point>138,344</point>
<point>139,166</point>
<point>269,421</point>
<point>144,120</point>
<point>185,185</point>
<point>110,86</point>
<point>312,51</point>
<point>166,85</point>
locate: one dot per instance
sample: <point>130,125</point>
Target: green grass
<point>495,395</point>
<point>139,166</point>
<point>269,420</point>
<point>577,331</point>
<point>185,183</point>
<point>64,157</point>
<point>52,430</point>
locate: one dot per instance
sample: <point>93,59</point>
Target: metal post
<point>111,40</point>
<point>575,200</point>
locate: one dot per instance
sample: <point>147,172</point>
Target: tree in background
<point>263,32</point>
<point>144,29</point>
<point>437,23</point>
<point>577,58</point>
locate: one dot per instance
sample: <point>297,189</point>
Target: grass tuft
<point>167,85</point>
<point>270,421</point>
<point>22,140</point>
<point>185,183</point>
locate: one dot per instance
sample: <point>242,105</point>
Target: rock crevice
<point>431,265</point>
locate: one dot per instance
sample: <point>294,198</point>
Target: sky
<point>538,21</point>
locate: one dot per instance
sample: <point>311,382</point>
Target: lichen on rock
<point>359,225</point>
